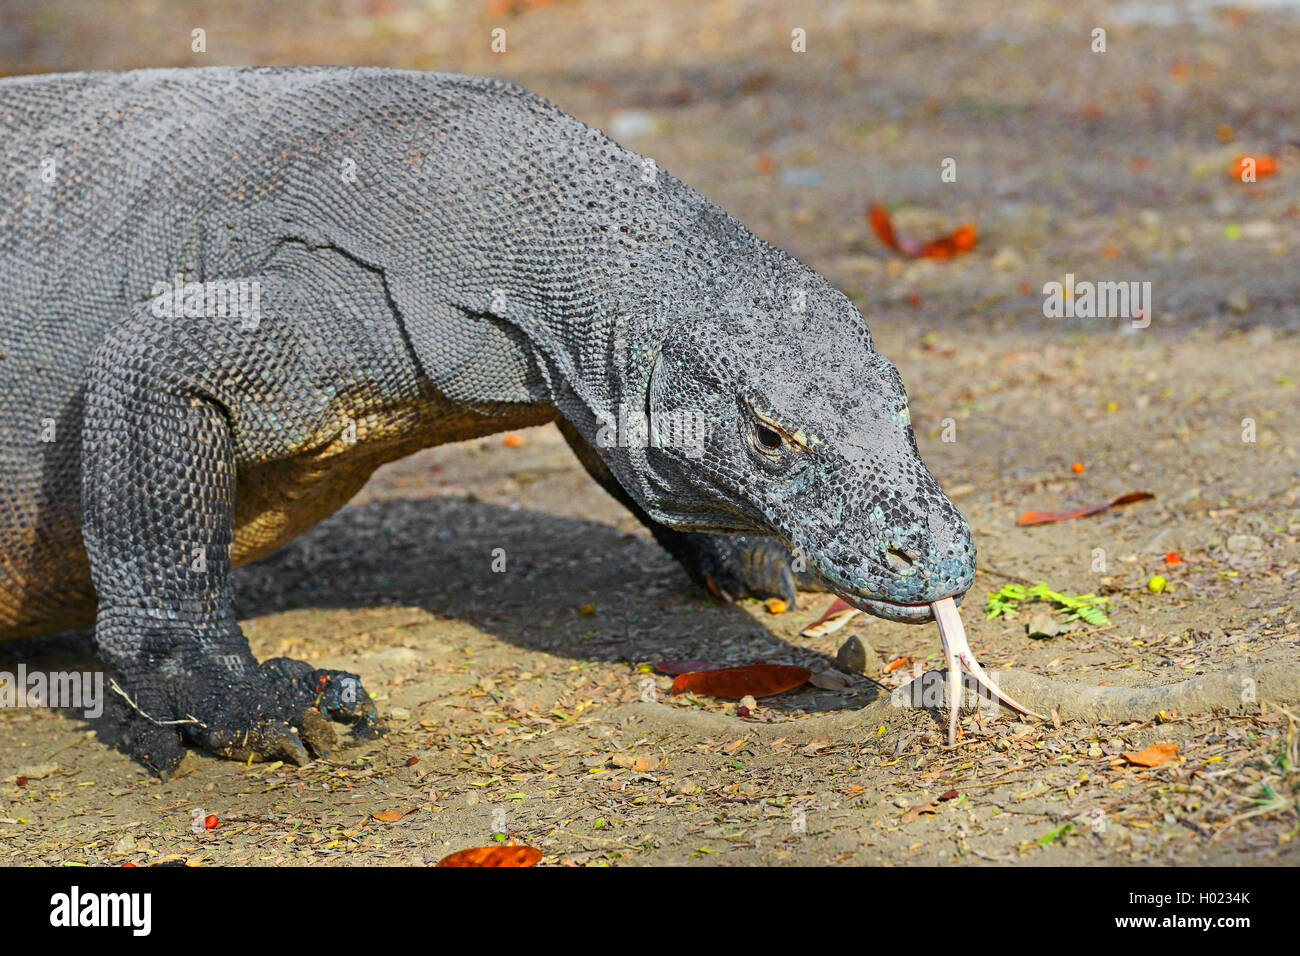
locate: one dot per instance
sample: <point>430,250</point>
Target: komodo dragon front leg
<point>175,409</point>
<point>730,566</point>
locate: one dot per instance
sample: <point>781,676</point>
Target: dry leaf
<point>1051,517</point>
<point>733,683</point>
<point>836,616</point>
<point>1265,166</point>
<point>930,809</point>
<point>506,855</point>
<point>1152,756</point>
<point>960,240</point>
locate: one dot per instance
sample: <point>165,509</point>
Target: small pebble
<point>857,655</point>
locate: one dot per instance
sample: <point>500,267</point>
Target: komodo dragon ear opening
<point>654,392</point>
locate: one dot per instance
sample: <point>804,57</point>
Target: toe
<point>316,733</point>
<point>263,742</point>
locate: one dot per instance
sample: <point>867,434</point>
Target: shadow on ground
<point>438,554</point>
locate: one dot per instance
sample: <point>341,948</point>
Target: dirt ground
<point>525,704</point>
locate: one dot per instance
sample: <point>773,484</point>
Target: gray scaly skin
<point>436,258</point>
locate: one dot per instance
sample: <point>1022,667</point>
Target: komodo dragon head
<point>806,435</point>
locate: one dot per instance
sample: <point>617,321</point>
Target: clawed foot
<point>735,567</point>
<point>280,711</point>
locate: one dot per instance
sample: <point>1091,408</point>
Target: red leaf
<point>508,855</point>
<point>836,616</point>
<point>960,240</point>
<point>1050,517</point>
<point>733,683</point>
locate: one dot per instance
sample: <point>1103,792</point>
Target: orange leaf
<point>1265,165</point>
<point>961,239</point>
<point>388,816</point>
<point>507,855</point>
<point>883,226</point>
<point>1152,756</point>
<point>1050,517</point>
<point>733,683</point>
<point>895,665</point>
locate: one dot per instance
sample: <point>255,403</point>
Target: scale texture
<point>228,295</point>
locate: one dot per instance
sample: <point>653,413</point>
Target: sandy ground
<point>525,704</point>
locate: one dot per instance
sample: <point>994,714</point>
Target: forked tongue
<point>956,649</point>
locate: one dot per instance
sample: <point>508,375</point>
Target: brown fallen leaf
<point>1051,517</point>
<point>634,762</point>
<point>506,855</point>
<point>733,683</point>
<point>1152,756</point>
<point>836,616</point>
<point>930,809</point>
<point>960,240</point>
<point>388,816</point>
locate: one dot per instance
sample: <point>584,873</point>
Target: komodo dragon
<point>228,295</point>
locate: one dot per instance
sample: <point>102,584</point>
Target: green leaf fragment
<point>1087,607</point>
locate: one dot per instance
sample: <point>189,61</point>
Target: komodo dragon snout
<point>807,437</point>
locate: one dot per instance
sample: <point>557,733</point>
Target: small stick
<point>189,719</point>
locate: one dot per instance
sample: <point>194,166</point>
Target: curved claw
<point>266,742</point>
<point>740,566</point>
<point>959,654</point>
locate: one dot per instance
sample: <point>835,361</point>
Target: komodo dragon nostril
<point>900,560</point>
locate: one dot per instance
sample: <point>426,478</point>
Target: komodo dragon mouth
<point>891,610</point>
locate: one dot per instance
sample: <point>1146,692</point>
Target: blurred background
<point>1111,165</point>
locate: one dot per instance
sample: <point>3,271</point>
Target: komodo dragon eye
<point>770,439</point>
<point>767,439</point>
